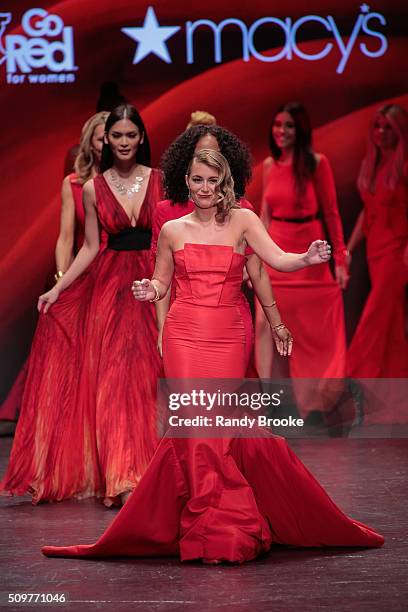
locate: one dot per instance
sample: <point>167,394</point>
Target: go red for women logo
<point>43,54</point>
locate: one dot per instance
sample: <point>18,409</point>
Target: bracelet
<point>269,305</point>
<point>58,275</point>
<point>279,326</point>
<point>157,294</point>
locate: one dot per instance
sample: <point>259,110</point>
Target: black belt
<point>130,239</point>
<point>297,219</point>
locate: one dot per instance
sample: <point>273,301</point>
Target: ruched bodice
<point>208,275</point>
<point>204,334</point>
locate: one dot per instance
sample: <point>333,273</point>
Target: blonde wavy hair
<point>225,184</point>
<point>398,119</point>
<point>84,161</point>
<point>201,118</point>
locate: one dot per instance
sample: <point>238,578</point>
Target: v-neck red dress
<point>88,423</point>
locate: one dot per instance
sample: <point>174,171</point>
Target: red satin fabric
<point>310,299</point>
<point>225,499</point>
<point>87,424</point>
<point>167,211</point>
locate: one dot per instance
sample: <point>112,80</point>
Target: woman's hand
<point>46,299</point>
<point>318,252</point>
<point>283,340</point>
<point>342,276</point>
<point>143,290</point>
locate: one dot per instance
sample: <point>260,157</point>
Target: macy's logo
<point>151,37</point>
<point>33,50</point>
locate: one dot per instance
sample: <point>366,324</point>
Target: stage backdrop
<point>236,60</point>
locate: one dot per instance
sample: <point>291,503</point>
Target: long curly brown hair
<point>177,158</point>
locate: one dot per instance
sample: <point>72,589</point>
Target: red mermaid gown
<point>379,348</point>
<point>168,211</point>
<point>310,299</point>
<point>225,499</point>
<point>88,425</point>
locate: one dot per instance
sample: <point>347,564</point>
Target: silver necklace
<point>127,190</point>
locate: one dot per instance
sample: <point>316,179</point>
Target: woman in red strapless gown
<point>88,424</point>
<point>219,499</point>
<point>298,196</point>
<point>174,165</point>
<point>72,230</point>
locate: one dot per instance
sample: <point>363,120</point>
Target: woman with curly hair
<point>379,347</point>
<point>218,499</point>
<point>88,425</point>
<point>174,164</point>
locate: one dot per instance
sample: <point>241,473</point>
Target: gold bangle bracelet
<point>269,305</point>
<point>59,274</point>
<point>157,294</point>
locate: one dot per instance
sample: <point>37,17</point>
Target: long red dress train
<point>88,424</point>
<point>224,499</point>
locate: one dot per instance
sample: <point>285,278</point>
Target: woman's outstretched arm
<point>258,238</point>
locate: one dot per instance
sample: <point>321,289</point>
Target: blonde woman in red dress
<point>72,228</point>
<point>379,347</point>
<point>298,197</point>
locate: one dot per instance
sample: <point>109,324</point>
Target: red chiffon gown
<point>379,348</point>
<point>310,299</point>
<point>88,425</point>
<point>11,406</point>
<point>167,210</point>
<point>224,499</point>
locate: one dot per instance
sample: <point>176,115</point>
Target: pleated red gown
<point>88,424</point>
<point>225,499</point>
<point>10,408</point>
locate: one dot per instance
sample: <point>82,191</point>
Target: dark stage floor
<point>368,478</point>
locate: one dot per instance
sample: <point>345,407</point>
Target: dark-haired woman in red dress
<point>218,499</point>
<point>88,425</point>
<point>298,196</point>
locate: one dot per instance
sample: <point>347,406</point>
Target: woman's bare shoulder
<point>174,226</point>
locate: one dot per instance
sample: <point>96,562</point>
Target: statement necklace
<point>124,189</point>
